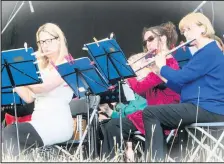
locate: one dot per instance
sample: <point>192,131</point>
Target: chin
<point>48,53</point>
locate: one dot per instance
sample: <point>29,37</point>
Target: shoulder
<point>209,49</point>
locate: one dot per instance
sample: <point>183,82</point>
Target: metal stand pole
<point>16,122</point>
<point>13,17</point>
<point>120,116</point>
<point>199,6</point>
<point>95,105</point>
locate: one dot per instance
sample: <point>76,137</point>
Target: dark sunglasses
<point>150,39</point>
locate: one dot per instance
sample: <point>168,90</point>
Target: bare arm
<point>50,82</point>
<point>25,93</point>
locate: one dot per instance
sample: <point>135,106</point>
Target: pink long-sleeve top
<point>166,96</point>
<point>151,80</point>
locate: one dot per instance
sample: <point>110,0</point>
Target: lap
<point>27,133</point>
<point>115,122</point>
<point>24,127</point>
<point>172,114</point>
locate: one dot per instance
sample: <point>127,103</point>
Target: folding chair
<point>79,110</point>
<point>137,135</point>
<point>213,133</point>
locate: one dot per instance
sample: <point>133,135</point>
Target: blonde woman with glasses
<point>51,120</point>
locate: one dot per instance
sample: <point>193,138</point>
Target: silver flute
<point>171,51</point>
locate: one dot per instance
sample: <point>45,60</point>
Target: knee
<point>148,112</point>
<point>8,133</point>
<point>110,126</point>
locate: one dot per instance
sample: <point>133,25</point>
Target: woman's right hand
<point>106,109</point>
<point>102,117</point>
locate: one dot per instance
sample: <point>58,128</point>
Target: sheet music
<point>128,92</point>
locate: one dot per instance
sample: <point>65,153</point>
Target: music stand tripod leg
<point>16,120</point>
<point>14,101</point>
<point>94,135</point>
<point>91,130</point>
<point>86,130</point>
<point>120,118</point>
<point>79,125</point>
<point>88,119</point>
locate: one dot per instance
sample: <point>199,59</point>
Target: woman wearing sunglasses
<point>157,39</point>
<point>51,120</point>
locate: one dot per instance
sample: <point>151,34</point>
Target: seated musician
<point>51,121</point>
<point>112,110</point>
<point>162,38</point>
<point>200,83</point>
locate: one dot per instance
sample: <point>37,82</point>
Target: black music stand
<point>85,80</point>
<point>111,61</point>
<point>18,69</point>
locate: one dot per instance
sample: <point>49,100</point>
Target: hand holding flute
<point>136,61</point>
<point>162,56</point>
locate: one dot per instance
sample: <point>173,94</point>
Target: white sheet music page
<point>128,92</point>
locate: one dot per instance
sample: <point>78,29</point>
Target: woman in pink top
<point>159,38</point>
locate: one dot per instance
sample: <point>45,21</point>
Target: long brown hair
<point>166,29</point>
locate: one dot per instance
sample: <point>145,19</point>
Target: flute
<point>171,51</point>
<point>142,57</point>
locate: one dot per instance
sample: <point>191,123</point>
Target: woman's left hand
<point>154,68</point>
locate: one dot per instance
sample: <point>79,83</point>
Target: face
<point>192,31</point>
<point>151,41</point>
<point>48,43</point>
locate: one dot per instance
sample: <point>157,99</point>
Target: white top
<point>193,49</point>
<point>52,117</point>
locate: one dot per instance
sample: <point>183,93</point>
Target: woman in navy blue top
<point>200,83</point>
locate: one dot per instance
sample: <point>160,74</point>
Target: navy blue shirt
<point>202,78</point>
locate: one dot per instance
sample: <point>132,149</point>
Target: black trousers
<point>22,110</point>
<point>168,117</point>
<point>110,130</point>
<point>28,138</point>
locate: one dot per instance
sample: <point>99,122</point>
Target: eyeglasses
<point>150,39</point>
<point>47,41</point>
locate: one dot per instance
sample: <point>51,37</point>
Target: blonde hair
<point>220,42</point>
<point>200,20</point>
<point>55,31</point>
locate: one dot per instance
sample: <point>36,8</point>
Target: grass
<point>53,154</point>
